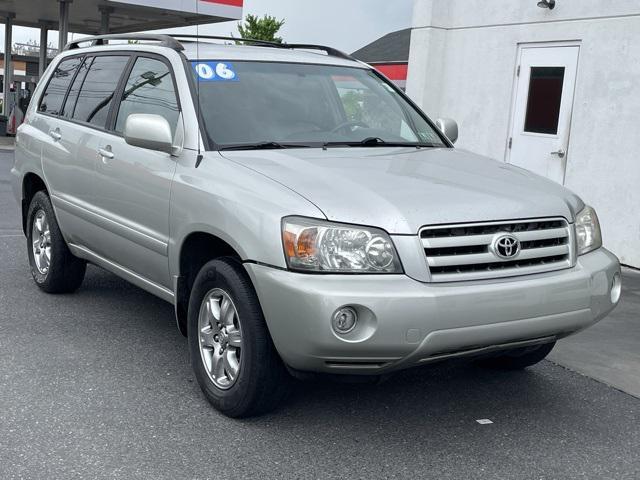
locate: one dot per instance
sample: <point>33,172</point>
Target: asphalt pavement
<point>98,385</point>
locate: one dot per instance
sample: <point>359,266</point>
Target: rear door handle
<point>55,134</point>
<point>106,153</point>
<point>560,153</point>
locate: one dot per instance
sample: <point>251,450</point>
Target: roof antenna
<point>199,157</point>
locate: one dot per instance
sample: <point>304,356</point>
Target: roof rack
<point>163,40</point>
<point>171,41</point>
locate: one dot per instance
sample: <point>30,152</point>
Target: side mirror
<point>449,128</point>
<point>149,131</point>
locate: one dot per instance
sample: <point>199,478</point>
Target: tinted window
<point>545,97</point>
<point>72,98</point>
<point>96,94</point>
<point>149,89</point>
<point>53,96</point>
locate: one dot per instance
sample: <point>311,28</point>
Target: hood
<point>403,189</point>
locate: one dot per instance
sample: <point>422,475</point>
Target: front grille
<point>469,251</point>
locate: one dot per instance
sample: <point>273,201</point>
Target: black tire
<point>519,358</point>
<point>263,381</point>
<point>65,272</point>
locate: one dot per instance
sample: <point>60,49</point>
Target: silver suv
<point>300,213</point>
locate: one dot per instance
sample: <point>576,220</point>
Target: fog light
<point>344,320</point>
<point>616,288</point>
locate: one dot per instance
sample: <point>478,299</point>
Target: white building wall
<point>462,65</point>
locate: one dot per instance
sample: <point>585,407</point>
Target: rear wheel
<point>232,354</point>
<point>53,267</point>
<point>519,358</point>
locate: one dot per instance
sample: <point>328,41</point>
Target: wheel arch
<point>196,249</point>
<point>32,183</point>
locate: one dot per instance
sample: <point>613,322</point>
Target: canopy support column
<point>42,57</point>
<point>63,23</point>
<point>8,67</point>
<point>105,13</point>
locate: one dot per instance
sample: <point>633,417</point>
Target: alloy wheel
<point>220,338</point>
<point>41,242</point>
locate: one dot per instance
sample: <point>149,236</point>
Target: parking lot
<point>98,385</point>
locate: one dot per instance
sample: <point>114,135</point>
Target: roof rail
<point>264,43</point>
<point>172,41</point>
<point>334,52</point>
<point>164,40</point>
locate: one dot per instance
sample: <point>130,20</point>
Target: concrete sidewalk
<point>7,143</point>
<point>610,350</point>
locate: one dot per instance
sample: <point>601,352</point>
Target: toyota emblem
<point>506,246</point>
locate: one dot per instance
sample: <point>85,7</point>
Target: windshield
<point>280,105</point>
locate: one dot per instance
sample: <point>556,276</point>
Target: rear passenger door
<point>69,177</point>
<point>81,122</point>
<point>132,184</point>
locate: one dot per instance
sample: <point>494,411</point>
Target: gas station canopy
<point>87,16</point>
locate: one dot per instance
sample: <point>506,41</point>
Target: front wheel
<point>519,358</point>
<point>232,354</point>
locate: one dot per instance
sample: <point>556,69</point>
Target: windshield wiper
<point>377,142</point>
<point>367,142</point>
<point>263,146</point>
<point>373,141</point>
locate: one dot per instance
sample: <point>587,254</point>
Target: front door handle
<point>106,153</point>
<point>560,153</point>
<point>55,134</point>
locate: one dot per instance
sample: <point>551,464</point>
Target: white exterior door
<point>542,115</point>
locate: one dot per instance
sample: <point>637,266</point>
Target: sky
<point>343,24</point>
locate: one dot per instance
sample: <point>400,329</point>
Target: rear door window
<point>56,90</point>
<point>72,98</point>
<point>149,89</point>
<point>98,89</point>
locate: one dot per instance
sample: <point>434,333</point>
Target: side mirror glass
<point>449,127</point>
<point>152,132</point>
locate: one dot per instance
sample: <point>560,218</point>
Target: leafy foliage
<point>265,28</point>
<point>32,48</point>
<point>353,101</point>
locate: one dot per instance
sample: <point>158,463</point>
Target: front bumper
<point>403,322</point>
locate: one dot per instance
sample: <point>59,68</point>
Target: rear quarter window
<point>53,96</point>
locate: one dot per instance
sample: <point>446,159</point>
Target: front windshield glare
<point>285,104</point>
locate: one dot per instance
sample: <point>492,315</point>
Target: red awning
<point>233,3</point>
<point>395,71</point>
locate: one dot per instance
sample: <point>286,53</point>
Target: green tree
<point>265,28</point>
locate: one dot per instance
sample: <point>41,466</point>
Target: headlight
<point>588,231</point>
<point>319,246</point>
